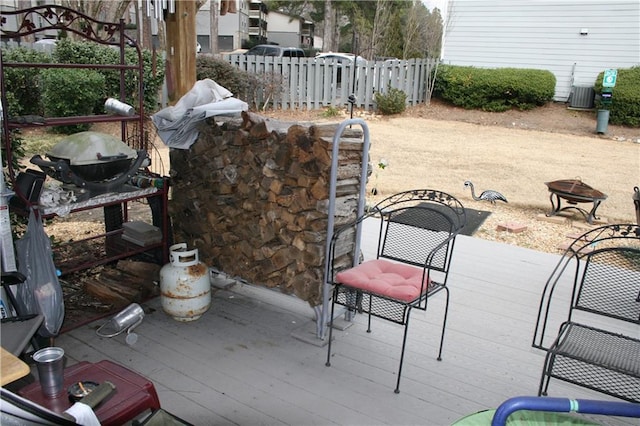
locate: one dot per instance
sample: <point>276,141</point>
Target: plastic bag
<point>41,292</point>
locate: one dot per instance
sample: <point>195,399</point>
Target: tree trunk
<point>328,27</point>
<point>181,49</point>
<point>214,10</point>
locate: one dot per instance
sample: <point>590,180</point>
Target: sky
<point>440,4</point>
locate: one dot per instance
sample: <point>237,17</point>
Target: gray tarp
<point>177,125</point>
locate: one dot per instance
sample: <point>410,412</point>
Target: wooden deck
<point>240,364</point>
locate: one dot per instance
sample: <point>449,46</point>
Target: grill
<point>95,161</point>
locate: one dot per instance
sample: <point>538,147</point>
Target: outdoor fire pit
<point>574,191</point>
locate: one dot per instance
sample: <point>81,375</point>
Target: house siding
<point>284,30</point>
<point>545,35</point>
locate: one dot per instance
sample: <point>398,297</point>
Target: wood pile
<point>252,196</point>
<point>129,281</point>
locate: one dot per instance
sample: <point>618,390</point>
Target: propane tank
<point>185,288</point>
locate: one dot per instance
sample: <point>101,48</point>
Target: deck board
<point>240,364</point>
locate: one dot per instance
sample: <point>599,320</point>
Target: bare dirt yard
<point>515,153</point>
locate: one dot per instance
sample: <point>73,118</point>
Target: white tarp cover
<point>177,125</point>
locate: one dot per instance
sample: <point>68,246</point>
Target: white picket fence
<point>309,83</point>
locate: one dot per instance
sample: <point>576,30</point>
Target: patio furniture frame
<point>597,346</point>
<point>416,239</point>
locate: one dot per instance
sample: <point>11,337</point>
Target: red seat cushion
<point>395,280</point>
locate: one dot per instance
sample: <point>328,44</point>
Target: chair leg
<point>369,317</point>
<point>444,322</point>
<point>546,376</point>
<point>333,306</point>
<point>404,344</point>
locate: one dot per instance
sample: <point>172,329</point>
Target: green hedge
<point>25,87</point>
<point>625,101</point>
<point>22,85</point>
<point>70,92</point>
<point>80,52</point>
<point>494,89</point>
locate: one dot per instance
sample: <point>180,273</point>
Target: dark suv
<point>272,50</point>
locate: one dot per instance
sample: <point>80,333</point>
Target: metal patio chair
<point>415,245</point>
<point>18,327</point>
<point>598,344</point>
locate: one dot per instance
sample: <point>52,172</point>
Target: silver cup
<point>125,320</point>
<point>128,318</point>
<point>50,364</point>
<point>117,107</point>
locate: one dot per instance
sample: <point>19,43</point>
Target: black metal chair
<point>18,327</point>
<point>598,343</point>
<point>416,238</point>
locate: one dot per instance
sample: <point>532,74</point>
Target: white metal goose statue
<point>488,195</point>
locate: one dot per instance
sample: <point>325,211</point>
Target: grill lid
<point>87,148</point>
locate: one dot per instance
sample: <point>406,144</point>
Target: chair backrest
<point>610,284</point>
<point>601,264</point>
<point>421,232</point>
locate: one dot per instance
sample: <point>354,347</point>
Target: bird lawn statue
<point>488,195</point>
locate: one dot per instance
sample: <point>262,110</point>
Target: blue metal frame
<point>563,405</point>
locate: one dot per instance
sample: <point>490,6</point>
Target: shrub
<point>223,73</point>
<point>392,102</point>
<point>255,89</point>
<point>71,92</point>
<point>22,85</point>
<point>83,52</point>
<point>625,102</point>
<point>494,89</point>
<point>331,111</point>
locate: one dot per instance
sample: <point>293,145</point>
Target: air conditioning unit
<point>582,97</point>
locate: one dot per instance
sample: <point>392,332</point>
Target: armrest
<point>12,278</point>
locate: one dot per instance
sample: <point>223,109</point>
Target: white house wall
<point>283,29</point>
<point>235,25</point>
<point>574,39</point>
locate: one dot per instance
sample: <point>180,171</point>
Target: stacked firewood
<point>120,284</point>
<point>252,196</point>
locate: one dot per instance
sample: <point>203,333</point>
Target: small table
<point>133,394</point>
<point>574,191</point>
<point>12,368</point>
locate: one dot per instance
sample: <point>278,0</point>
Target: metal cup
<point>50,364</point>
<point>128,318</point>
<point>125,320</point>
<point>117,107</point>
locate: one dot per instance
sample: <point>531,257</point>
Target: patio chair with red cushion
<point>416,237</point>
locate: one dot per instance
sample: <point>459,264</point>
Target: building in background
<point>574,39</point>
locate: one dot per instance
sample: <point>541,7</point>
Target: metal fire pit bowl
<point>574,191</point>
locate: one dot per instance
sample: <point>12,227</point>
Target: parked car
<point>343,59</point>
<point>273,50</point>
<point>46,42</point>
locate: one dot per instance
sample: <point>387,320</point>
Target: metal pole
<point>323,319</point>
<point>6,239</point>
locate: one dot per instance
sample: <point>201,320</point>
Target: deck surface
<point>242,363</point>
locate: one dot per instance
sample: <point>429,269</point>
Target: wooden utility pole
<point>181,49</point>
